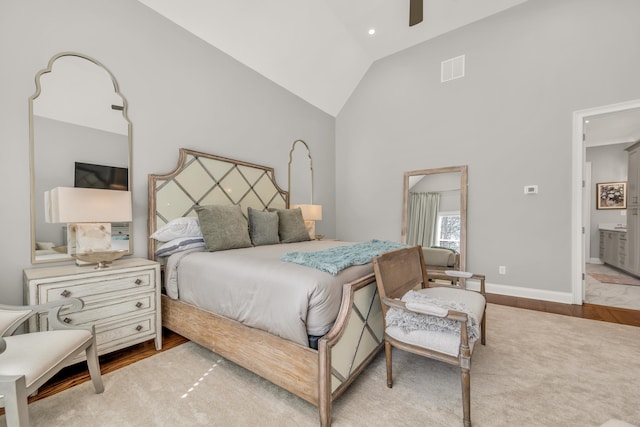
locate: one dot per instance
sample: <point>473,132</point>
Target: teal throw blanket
<point>334,260</point>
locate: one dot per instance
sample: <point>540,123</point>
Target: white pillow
<point>180,244</point>
<point>187,226</point>
<point>45,245</point>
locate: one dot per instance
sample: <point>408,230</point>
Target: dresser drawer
<point>116,335</point>
<point>106,310</point>
<point>95,288</point>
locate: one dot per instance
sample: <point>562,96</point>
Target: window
<point>448,231</point>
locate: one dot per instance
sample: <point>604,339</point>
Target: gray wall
<point>609,163</point>
<point>181,93</point>
<point>510,119</point>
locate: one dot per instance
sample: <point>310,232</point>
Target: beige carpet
<point>537,369</point>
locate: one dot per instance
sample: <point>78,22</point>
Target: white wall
<point>510,119</point>
<point>181,93</point>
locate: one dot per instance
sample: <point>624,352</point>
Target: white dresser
<point>122,301</point>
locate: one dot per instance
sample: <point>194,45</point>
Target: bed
<point>316,375</point>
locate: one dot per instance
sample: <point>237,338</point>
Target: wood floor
<point>78,374</point>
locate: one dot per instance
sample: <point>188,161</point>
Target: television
<point>88,175</point>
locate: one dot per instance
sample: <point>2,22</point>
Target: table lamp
<point>88,213</point>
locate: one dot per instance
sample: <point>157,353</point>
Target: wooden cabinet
<point>633,175</point>
<point>633,206</point>
<point>122,301</point>
<point>613,248</point>
<point>633,238</point>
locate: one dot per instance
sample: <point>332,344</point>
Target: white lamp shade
<point>310,212</point>
<point>74,205</point>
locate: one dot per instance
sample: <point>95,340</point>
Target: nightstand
<point>122,301</point>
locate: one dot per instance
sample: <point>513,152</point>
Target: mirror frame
<point>463,170</point>
<point>293,148</point>
<point>125,116</point>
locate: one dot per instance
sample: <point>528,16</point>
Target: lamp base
<point>102,259</point>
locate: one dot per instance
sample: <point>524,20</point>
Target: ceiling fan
<point>415,12</point>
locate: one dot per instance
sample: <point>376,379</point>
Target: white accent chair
<point>403,270</point>
<point>29,360</point>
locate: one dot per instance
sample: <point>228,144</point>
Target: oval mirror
<point>434,211</point>
<point>80,136</point>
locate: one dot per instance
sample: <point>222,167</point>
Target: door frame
<point>577,192</point>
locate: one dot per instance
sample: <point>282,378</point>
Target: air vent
<point>452,69</point>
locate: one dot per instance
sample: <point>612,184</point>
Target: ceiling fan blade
<point>415,12</point>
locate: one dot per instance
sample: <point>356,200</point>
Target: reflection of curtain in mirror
<point>423,218</point>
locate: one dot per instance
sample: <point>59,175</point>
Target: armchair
<point>29,360</point>
<point>438,321</point>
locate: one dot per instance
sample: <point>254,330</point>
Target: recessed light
<point>586,121</point>
<point>372,31</point>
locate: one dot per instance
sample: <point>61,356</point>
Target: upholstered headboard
<point>206,179</point>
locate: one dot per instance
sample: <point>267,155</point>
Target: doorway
<point>614,116</point>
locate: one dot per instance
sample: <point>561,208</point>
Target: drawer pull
<point>138,304</point>
<point>65,293</point>
<point>66,320</point>
<point>139,328</point>
<point>138,281</point>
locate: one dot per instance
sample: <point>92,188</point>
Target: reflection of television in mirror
<point>88,175</point>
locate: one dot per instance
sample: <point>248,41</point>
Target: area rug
<point>537,369</point>
<point>618,279</point>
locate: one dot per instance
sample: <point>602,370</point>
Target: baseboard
<point>595,261</point>
<point>516,291</point>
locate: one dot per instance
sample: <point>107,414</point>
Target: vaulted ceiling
<point>319,50</point>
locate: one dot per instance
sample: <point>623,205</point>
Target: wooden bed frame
<point>317,376</point>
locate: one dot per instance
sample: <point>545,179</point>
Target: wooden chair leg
<point>94,368</point>
<point>15,402</point>
<point>387,352</point>
<point>483,328</point>
<point>466,396</point>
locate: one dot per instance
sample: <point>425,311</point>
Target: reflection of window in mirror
<point>434,209</point>
<point>448,230</point>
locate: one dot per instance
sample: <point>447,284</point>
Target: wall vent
<point>452,69</point>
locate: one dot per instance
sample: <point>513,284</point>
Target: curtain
<point>422,218</point>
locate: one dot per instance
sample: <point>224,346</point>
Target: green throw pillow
<point>291,226</point>
<point>263,227</point>
<point>223,227</point>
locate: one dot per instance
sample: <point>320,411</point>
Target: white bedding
<point>253,286</point>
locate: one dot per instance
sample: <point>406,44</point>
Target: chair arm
<point>457,276</point>
<point>394,303</point>
<point>52,308</point>
<point>401,305</point>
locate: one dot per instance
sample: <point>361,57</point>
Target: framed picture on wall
<point>611,195</point>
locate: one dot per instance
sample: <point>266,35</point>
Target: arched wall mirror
<point>434,210</point>
<point>80,136</point>
<point>300,167</point>
<point>301,194</point>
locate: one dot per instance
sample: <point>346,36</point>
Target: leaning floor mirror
<point>434,210</point>
<point>80,136</point>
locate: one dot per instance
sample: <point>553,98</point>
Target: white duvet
<point>253,286</point>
